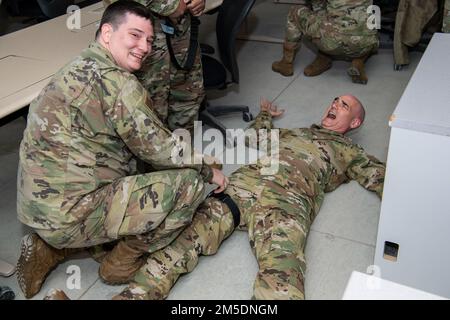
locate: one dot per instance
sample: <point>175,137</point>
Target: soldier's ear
<point>106,32</point>
<point>356,122</point>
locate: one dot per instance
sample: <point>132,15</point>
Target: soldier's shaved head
<point>115,14</point>
<point>345,113</point>
<point>358,109</point>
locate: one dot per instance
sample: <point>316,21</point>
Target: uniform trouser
<point>446,17</point>
<point>277,225</point>
<point>323,33</point>
<point>158,206</point>
<point>176,94</point>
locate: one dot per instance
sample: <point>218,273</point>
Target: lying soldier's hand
<point>269,107</point>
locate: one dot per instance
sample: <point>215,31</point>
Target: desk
<point>415,210</point>
<point>31,56</point>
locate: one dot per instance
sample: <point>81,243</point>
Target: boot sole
<point>115,283</point>
<point>355,75</point>
<point>358,80</point>
<point>317,73</point>
<point>286,74</point>
<point>25,254</point>
<point>283,74</point>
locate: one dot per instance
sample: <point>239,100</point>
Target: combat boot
<point>357,70</point>
<point>36,260</point>
<point>100,251</point>
<point>285,65</point>
<point>6,293</point>
<point>321,63</point>
<point>212,223</point>
<point>120,265</point>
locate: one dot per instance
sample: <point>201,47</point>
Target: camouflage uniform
<point>446,18</point>
<point>277,210</point>
<point>176,94</point>
<point>337,27</point>
<point>77,180</point>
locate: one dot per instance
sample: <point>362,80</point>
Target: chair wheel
<point>247,116</point>
<point>398,67</point>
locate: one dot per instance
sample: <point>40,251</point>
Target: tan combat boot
<point>36,260</point>
<point>285,65</point>
<point>56,294</point>
<point>321,63</point>
<point>357,70</point>
<point>120,265</point>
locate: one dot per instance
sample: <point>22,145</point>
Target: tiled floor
<point>344,233</point>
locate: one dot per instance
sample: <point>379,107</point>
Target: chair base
<point>207,116</point>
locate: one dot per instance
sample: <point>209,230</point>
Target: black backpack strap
<point>193,45</point>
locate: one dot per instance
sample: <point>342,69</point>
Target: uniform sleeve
<point>161,7</point>
<point>368,171</point>
<point>262,121</point>
<point>145,135</point>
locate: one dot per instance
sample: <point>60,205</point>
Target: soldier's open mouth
<point>331,115</point>
<point>137,56</point>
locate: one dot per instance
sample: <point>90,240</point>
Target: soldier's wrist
<point>265,113</point>
<point>206,172</point>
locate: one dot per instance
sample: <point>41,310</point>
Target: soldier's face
<point>131,42</point>
<point>340,116</point>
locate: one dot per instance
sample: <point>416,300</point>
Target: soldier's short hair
<point>361,112</point>
<point>116,12</point>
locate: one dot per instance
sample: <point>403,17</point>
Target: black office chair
<point>231,14</point>
<point>54,8</point>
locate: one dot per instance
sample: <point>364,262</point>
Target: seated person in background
<point>77,180</point>
<point>277,209</point>
<point>338,28</point>
<point>446,17</point>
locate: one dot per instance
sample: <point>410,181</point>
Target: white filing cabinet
<point>362,286</point>
<point>415,211</point>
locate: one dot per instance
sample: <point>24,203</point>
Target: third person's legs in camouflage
<point>176,94</point>
<point>446,17</point>
<point>326,35</point>
<point>155,72</point>
<point>301,20</point>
